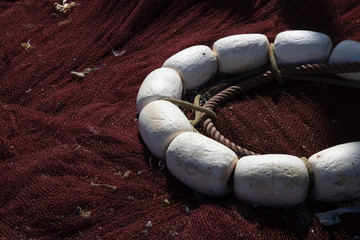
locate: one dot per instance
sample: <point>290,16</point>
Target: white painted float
<point>159,123</point>
<point>346,51</point>
<point>196,65</point>
<point>275,180</point>
<point>242,53</point>
<point>160,83</point>
<point>336,172</point>
<point>201,163</point>
<point>300,46</point>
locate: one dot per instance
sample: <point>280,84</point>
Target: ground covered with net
<point>72,163</point>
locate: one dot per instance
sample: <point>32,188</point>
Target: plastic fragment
<point>332,217</point>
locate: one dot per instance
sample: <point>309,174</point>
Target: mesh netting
<point>72,163</point>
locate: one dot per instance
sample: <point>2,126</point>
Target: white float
<point>160,83</point>
<point>201,163</point>
<point>275,180</point>
<point>299,47</point>
<point>346,51</point>
<point>159,123</point>
<point>196,65</point>
<point>336,172</point>
<point>242,53</point>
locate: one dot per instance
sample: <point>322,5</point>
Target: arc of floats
<point>206,165</point>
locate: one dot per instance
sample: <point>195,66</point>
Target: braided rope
<point>320,68</point>
<point>214,89</point>
<point>227,94</point>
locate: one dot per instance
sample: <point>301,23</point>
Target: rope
<point>298,73</point>
<point>182,103</point>
<point>212,90</point>
<point>310,172</point>
<point>275,70</point>
<point>320,68</point>
<point>207,92</point>
<point>292,73</point>
<point>230,92</point>
<point>197,119</point>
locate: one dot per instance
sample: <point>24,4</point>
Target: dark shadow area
<point>243,9</point>
<point>310,15</point>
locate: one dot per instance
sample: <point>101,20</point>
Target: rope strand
<point>182,103</point>
<point>275,70</point>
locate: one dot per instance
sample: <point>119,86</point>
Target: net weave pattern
<point>72,163</point>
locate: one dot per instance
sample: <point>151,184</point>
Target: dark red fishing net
<point>72,162</point>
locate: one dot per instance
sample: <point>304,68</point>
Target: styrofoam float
<point>242,53</point>
<point>271,180</point>
<point>159,123</point>
<point>336,172</point>
<point>160,83</point>
<point>346,51</point>
<point>300,46</point>
<point>196,65</point>
<point>201,163</point>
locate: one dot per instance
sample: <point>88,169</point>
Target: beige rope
<point>191,106</point>
<point>212,90</point>
<point>310,172</point>
<point>275,70</point>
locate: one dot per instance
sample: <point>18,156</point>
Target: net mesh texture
<point>72,163</point>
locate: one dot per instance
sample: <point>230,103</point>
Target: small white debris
<point>64,7</point>
<point>149,224</point>
<point>126,174</point>
<point>26,45</point>
<point>118,53</point>
<point>79,74</point>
